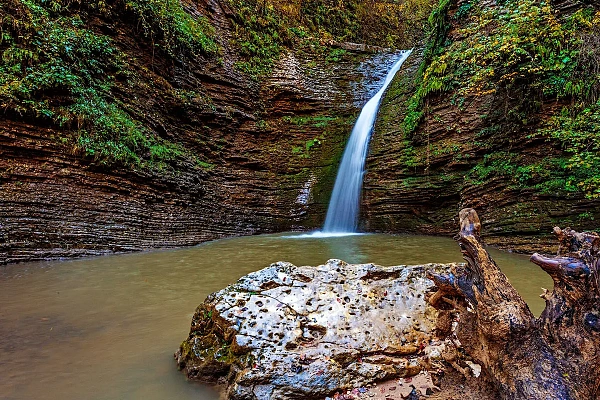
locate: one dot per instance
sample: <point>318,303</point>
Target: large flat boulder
<point>288,332</point>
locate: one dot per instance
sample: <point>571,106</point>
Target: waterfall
<point>342,214</point>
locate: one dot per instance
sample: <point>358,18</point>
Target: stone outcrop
<point>268,152</point>
<point>304,332</point>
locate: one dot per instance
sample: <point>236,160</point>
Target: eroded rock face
<point>408,188</point>
<point>303,332</point>
<point>263,178</point>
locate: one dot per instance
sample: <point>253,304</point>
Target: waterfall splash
<point>342,214</point>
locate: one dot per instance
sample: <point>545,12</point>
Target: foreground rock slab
<point>289,332</point>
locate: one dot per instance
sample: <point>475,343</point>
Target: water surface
<point>106,328</point>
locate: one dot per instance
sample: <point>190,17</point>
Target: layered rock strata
<point>267,152</point>
<point>418,181</point>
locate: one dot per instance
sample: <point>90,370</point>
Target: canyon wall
<point>469,150</point>
<point>246,152</point>
<point>268,149</point>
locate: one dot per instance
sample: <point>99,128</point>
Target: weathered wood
<point>570,323</point>
<point>553,357</point>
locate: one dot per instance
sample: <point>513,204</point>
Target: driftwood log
<point>555,356</point>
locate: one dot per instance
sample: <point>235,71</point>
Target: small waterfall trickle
<point>342,214</point>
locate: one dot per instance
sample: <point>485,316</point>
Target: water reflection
<point>348,248</point>
<point>106,328</point>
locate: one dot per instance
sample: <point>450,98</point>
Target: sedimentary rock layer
<point>268,149</point>
<point>418,181</point>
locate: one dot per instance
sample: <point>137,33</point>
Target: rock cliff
<point>265,149</point>
<point>242,132</point>
<point>486,146</point>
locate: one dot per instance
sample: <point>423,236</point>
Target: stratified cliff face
<point>493,148</point>
<point>266,152</point>
<point>180,136</point>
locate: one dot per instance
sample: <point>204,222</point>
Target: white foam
<point>322,235</point>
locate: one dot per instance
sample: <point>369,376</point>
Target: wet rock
<point>295,332</point>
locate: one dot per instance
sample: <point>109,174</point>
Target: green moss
<point>167,24</point>
<point>54,70</point>
<point>265,29</point>
<point>521,47</point>
<point>576,170</point>
<point>522,43</point>
<point>186,349</point>
<point>438,27</point>
<point>260,33</point>
<point>205,165</point>
<point>547,176</point>
<point>318,121</point>
<point>576,131</point>
<point>304,151</point>
<point>224,354</point>
<point>336,55</point>
<point>43,54</point>
<point>524,55</point>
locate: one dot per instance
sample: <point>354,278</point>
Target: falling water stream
<point>342,214</point>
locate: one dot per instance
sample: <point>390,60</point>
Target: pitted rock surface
<point>303,332</point>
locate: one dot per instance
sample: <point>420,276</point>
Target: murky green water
<point>107,328</point>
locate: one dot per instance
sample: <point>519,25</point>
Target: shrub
<point>167,23</point>
<point>54,70</point>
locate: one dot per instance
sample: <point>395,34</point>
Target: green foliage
<point>335,55</point>
<point>408,155</point>
<point>338,19</point>
<point>545,176</point>
<point>310,143</point>
<point>493,164</point>
<point>382,23</point>
<point>167,23</point>
<point>110,135</point>
<point>463,10</point>
<point>522,43</point>
<point>262,125</point>
<point>263,29</point>
<point>260,32</point>
<point>436,34</point>
<point>520,47</point>
<point>304,152</point>
<point>318,121</point>
<point>577,131</point>
<point>43,55</point>
<point>524,55</point>
<point>54,70</point>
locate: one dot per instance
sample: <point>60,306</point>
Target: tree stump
<point>556,356</point>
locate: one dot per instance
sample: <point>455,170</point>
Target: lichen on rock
<point>304,332</point>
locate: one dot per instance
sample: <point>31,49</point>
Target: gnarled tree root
<point>556,356</point>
